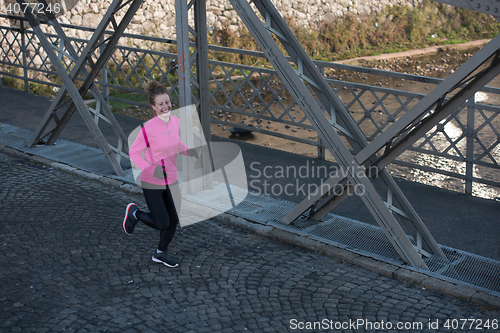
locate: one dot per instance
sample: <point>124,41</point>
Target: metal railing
<point>465,146</point>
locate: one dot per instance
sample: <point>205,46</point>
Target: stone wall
<point>157,17</point>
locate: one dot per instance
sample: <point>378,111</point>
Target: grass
<point>395,29</point>
<point>455,41</point>
<point>130,96</point>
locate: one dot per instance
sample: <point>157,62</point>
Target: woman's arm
<point>137,149</point>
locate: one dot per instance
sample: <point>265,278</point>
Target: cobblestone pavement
<point>66,265</point>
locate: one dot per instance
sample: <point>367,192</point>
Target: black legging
<point>162,204</point>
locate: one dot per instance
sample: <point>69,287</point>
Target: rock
<point>308,13</point>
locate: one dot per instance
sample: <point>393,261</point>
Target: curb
<point>403,274</point>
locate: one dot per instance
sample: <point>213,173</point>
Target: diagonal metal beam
<point>61,71</point>
<point>79,68</point>
<point>413,125</point>
<point>355,174</point>
<point>467,83</point>
<point>59,100</point>
<point>435,107</point>
<point>343,122</point>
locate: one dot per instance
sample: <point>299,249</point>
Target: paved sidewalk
<point>68,266</point>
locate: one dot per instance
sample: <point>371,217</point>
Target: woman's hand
<point>159,172</point>
<point>192,152</point>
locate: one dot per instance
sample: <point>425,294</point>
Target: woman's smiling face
<point>162,106</point>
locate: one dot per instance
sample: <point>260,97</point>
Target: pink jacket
<point>164,145</point>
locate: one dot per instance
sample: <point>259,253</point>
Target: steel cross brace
<point>412,126</point>
<point>81,62</point>
<point>383,206</point>
<point>460,86</point>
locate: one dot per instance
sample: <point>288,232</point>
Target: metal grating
<point>350,234</point>
<point>467,268</point>
<point>463,267</point>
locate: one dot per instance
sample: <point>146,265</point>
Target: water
<point>451,140</point>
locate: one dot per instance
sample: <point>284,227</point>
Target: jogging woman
<point>154,152</point>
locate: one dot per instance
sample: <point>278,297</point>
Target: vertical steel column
<point>25,56</point>
<point>184,83</point>
<point>184,63</point>
<point>188,81</point>
<point>197,82</point>
<point>203,74</point>
<point>321,146</point>
<point>471,135</point>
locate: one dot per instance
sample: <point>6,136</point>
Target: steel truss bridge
<point>363,161</point>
